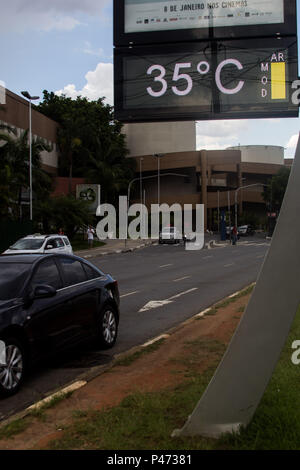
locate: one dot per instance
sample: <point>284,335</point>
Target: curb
<point>96,371</point>
<point>113,252</point>
<point>213,244</point>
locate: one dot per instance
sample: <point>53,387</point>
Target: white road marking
<point>227,265</point>
<point>129,293</point>
<point>183,293</point>
<point>206,257</point>
<point>160,303</point>
<point>166,265</point>
<point>181,278</point>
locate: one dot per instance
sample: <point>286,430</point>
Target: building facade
<point>214,178</point>
<point>15,113</point>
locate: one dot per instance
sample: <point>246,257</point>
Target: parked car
<point>245,230</point>
<point>41,244</point>
<point>49,303</point>
<point>170,235</point>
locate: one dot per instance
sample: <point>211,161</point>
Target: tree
<point>274,193</point>
<point>14,169</point>
<point>64,212</point>
<point>91,142</point>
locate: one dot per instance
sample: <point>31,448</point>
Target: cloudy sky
<point>67,46</point>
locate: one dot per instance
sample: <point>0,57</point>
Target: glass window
<point>55,242</point>
<point>60,243</point>
<point>73,271</point>
<point>47,273</point>
<point>91,273</point>
<point>65,239</point>
<point>12,279</point>
<point>28,244</point>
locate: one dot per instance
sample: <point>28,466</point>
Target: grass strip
<point>146,420</point>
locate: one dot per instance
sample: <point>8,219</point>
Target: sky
<point>66,46</point>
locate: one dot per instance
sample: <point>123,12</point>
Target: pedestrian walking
<point>234,235</point>
<point>90,235</point>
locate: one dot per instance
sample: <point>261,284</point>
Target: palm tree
<point>109,169</point>
<point>14,165</point>
<point>69,143</point>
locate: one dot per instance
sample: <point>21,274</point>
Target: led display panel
<point>151,21</point>
<point>213,80</point>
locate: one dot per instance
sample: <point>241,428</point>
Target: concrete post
<point>237,387</point>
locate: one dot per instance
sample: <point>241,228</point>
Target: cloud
<point>90,51</point>
<point>45,15</point>
<point>218,135</point>
<point>99,83</point>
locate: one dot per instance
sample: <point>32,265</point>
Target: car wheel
<point>12,373</point>
<point>108,329</point>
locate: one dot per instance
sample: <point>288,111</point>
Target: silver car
<point>41,244</point>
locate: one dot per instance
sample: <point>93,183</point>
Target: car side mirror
<point>49,247</point>
<point>43,292</point>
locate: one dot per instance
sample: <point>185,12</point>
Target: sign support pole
<point>232,396</point>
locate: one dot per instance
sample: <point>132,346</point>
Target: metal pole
<point>229,213</point>
<point>235,206</point>
<point>141,184</point>
<point>158,183</point>
<point>30,160</point>
<point>218,211</point>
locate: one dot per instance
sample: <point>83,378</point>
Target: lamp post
<point>146,178</point>
<point>141,181</point>
<point>158,156</point>
<point>30,98</point>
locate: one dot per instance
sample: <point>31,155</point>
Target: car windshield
<point>28,244</point>
<point>12,278</point>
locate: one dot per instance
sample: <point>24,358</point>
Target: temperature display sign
<point>218,80</point>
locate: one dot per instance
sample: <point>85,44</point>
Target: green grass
<point>78,243</point>
<point>146,420</point>
<point>40,411</point>
<point>128,360</point>
<point>19,425</point>
<point>12,429</point>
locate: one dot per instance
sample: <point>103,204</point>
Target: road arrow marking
<point>160,303</point>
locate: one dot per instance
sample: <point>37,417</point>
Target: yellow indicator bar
<point>278,81</point>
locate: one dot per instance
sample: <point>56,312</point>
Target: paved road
<point>182,282</point>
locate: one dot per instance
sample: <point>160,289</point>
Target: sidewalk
<point>114,246</point>
<point>125,246</point>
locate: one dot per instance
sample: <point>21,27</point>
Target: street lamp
<point>141,184</point>
<point>30,98</point>
<point>158,156</point>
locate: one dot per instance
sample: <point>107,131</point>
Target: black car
<point>49,303</point>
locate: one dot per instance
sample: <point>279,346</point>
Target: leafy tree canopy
<point>91,142</point>
<point>274,193</point>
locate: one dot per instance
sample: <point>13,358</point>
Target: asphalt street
<point>160,286</point>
